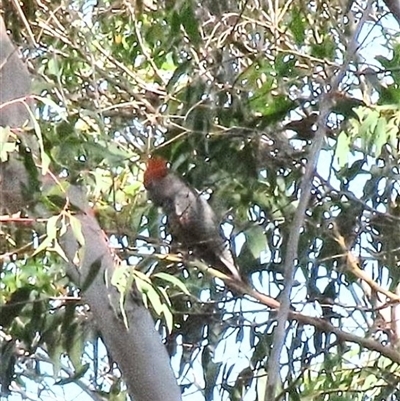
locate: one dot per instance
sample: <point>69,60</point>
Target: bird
<point>191,220</point>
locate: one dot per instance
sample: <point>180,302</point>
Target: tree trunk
<point>138,350</point>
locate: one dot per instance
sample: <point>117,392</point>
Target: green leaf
<point>367,129</point>
<point>76,354</point>
<point>297,26</point>
<point>79,373</point>
<point>57,248</point>
<point>191,24</point>
<point>256,240</point>
<point>169,318</point>
<point>173,280</point>
<point>119,279</point>
<point>76,227</point>
<point>182,70</point>
<point>342,149</point>
<point>51,229</point>
<point>150,293</point>
<point>53,67</point>
<point>14,305</point>
<point>56,350</point>
<point>381,135</point>
<point>44,157</point>
<point>175,23</point>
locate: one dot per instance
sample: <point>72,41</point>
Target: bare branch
<point>326,104</point>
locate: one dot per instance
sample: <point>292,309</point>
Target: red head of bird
<point>156,169</point>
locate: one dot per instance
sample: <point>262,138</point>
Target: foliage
<point>229,92</point>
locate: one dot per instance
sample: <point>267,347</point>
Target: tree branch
<point>326,104</point>
<point>321,324</point>
<point>394,8</point>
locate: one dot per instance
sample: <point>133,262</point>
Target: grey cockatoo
<point>191,219</point>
